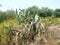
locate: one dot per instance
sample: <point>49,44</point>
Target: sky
<point>22,4</point>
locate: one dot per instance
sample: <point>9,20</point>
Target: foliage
<point>31,11</point>
<point>8,18</point>
<point>6,15</point>
<point>57,13</point>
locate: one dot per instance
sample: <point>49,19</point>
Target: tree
<point>2,16</point>
<point>45,12</point>
<point>57,13</point>
<point>32,10</point>
<point>10,14</point>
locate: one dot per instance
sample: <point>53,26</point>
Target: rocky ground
<point>52,37</point>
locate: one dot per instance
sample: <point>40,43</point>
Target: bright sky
<point>13,4</point>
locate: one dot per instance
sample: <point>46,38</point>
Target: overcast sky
<point>13,4</point>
